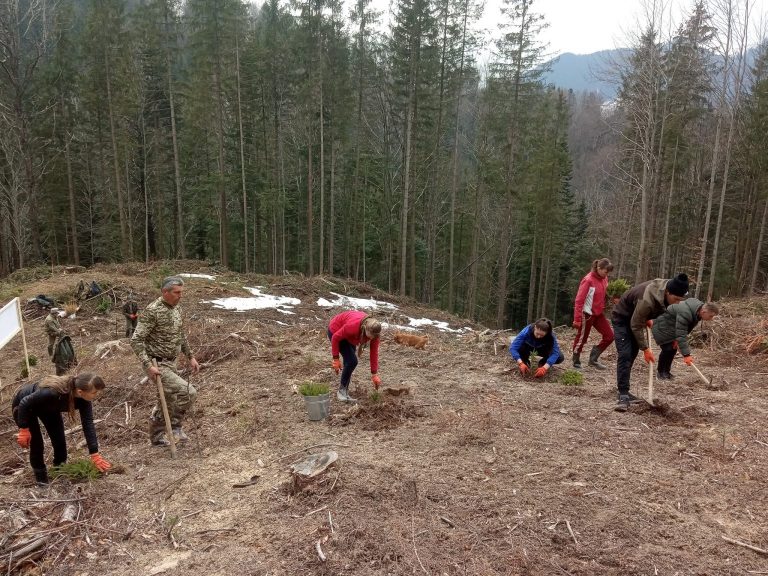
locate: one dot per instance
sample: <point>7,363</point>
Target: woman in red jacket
<point>347,330</point>
<point>588,312</point>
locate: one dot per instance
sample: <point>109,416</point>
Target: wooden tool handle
<point>166,416</point>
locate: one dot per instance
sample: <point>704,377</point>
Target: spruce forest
<point>411,150</point>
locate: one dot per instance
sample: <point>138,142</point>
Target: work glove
<point>674,344</point>
<point>688,360</point>
<point>134,316</point>
<point>24,437</point>
<point>100,463</point>
<point>376,379</point>
<point>541,372</point>
<point>649,323</point>
<point>577,324</point>
<point>524,369</point>
<point>336,365</point>
<point>648,355</point>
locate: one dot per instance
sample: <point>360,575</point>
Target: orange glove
<point>336,365</point>
<point>376,379</point>
<point>134,316</point>
<point>523,367</point>
<point>541,372</point>
<point>100,463</point>
<point>688,360</point>
<point>674,344</point>
<point>577,324</point>
<point>648,354</point>
<point>24,437</point>
<point>649,323</point>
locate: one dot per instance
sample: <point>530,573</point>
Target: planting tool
<point>704,379</point>
<point>650,370</point>
<point>166,416</point>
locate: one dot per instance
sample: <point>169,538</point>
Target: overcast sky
<point>586,26</point>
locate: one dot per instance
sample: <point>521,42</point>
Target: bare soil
<point>471,470</point>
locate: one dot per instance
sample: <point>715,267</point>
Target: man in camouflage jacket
<point>159,336</point>
<point>131,313</point>
<point>53,329</point>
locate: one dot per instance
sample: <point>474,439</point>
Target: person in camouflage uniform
<point>53,329</point>
<point>160,336</point>
<point>131,313</point>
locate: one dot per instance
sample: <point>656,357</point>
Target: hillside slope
<point>476,471</point>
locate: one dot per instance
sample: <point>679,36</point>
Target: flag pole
<point>23,335</point>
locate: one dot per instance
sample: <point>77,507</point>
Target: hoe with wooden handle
<point>703,378</point>
<point>650,370</point>
<point>166,416</point>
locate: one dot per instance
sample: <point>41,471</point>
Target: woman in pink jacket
<point>588,312</point>
<point>349,330</point>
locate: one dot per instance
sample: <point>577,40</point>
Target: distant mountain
<point>585,72</point>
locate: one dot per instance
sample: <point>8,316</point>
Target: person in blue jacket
<point>540,337</point>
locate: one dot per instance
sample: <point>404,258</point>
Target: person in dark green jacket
<point>671,329</point>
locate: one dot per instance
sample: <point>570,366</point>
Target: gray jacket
<point>676,323</point>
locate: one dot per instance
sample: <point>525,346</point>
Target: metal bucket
<point>318,407</point>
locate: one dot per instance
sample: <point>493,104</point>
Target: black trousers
<point>54,425</point>
<point>666,356</point>
<point>525,355</point>
<point>626,352</point>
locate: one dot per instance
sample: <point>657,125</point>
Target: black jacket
<point>31,402</point>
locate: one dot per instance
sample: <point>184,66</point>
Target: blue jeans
<point>626,350</point>
<point>525,355</point>
<point>350,361</point>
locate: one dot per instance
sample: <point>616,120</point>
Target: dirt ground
<point>475,471</point>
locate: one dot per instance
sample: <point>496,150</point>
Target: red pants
<point>601,325</point>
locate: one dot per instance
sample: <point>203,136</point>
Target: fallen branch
<point>745,545</point>
<point>415,551</point>
<point>568,525</point>
<point>319,549</point>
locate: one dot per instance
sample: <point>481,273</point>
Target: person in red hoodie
<point>588,312</point>
<point>347,330</point>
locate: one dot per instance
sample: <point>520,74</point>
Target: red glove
<point>688,360</point>
<point>24,437</point>
<point>541,372</point>
<point>674,344</point>
<point>134,316</point>
<point>648,354</point>
<point>336,365</point>
<point>523,367</point>
<point>649,323</point>
<point>376,379</point>
<point>100,463</point>
<point>577,324</point>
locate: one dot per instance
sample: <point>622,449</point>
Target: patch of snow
<point>442,326</point>
<point>259,301</point>
<point>398,327</point>
<point>351,302</point>
<point>281,323</point>
<point>188,275</point>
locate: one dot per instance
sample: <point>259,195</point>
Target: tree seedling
<point>76,471</point>
<point>616,288</point>
<point>572,378</point>
<point>313,389</point>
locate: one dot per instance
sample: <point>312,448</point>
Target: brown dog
<point>411,340</point>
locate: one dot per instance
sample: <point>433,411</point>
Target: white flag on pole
<point>10,321</point>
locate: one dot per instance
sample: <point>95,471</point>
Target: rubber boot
<point>576,361</point>
<point>593,356</point>
<point>41,476</point>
